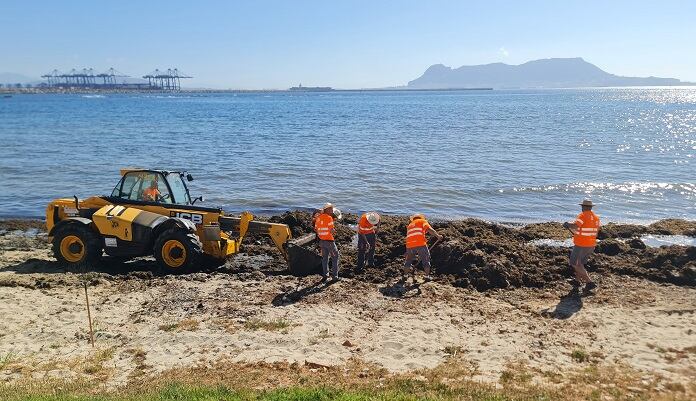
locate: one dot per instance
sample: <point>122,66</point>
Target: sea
<point>502,155</point>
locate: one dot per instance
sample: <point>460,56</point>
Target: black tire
<point>178,250</point>
<point>77,246</point>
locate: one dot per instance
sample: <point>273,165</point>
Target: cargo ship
<point>301,88</point>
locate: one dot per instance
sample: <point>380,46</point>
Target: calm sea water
<point>500,155</point>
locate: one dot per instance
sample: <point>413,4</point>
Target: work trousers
<point>423,253</point>
<point>329,249</point>
<point>578,258</point>
<point>364,254</point>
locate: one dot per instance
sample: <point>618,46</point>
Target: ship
<point>301,88</point>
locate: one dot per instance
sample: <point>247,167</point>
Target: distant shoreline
<point>4,92</point>
<point>12,91</point>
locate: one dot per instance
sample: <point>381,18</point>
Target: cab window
<point>143,186</point>
<point>181,196</point>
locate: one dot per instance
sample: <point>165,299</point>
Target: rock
<point>347,343</point>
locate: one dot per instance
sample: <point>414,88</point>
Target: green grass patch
<point>405,391</point>
<point>268,325</point>
<point>183,325</point>
<point>7,359</point>
<point>580,356</point>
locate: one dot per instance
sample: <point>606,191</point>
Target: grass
<point>356,381</point>
<point>580,356</point>
<point>178,392</point>
<point>138,357</point>
<point>7,359</point>
<point>453,350</point>
<point>268,325</point>
<point>94,364</point>
<point>183,325</point>
<point>516,375</point>
<point>323,334</point>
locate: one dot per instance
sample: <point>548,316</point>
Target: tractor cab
<point>154,186</point>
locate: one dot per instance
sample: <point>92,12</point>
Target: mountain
<point>12,78</point>
<point>546,73</point>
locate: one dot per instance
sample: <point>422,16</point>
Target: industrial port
<point>89,79</point>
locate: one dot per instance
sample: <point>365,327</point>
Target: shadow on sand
<point>111,266</point>
<point>567,306</point>
<point>401,289</point>
<point>300,293</point>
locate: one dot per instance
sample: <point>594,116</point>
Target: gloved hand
<point>566,225</point>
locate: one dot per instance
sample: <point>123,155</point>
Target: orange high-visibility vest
<point>415,233</point>
<point>364,226</point>
<point>323,226</point>
<point>151,193</point>
<point>588,227</point>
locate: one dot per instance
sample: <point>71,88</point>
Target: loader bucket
<point>303,259</point>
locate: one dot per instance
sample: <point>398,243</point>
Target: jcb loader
<point>151,212</point>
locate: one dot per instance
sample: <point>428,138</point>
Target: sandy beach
<point>147,323</point>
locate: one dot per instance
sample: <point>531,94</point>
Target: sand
<point>249,310</point>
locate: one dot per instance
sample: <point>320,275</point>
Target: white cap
<point>327,205</point>
<point>418,216</point>
<point>372,217</point>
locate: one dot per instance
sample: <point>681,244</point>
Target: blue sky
<point>344,44</point>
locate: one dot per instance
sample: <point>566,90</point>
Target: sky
<point>344,44</point>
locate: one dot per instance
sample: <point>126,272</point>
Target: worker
<point>324,227</point>
<point>416,244</point>
<point>585,229</point>
<point>152,193</point>
<point>367,238</point>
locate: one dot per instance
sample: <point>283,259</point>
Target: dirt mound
<point>613,230</point>
<point>484,255</point>
<point>673,227</point>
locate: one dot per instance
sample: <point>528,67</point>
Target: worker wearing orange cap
<point>585,229</point>
<point>416,243</point>
<point>367,239</point>
<point>324,227</point>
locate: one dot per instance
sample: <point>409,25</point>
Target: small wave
<point>93,96</point>
<point>661,240</point>
<point>553,243</point>
<point>627,187</point>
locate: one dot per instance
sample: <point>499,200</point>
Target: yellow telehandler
<point>151,212</point>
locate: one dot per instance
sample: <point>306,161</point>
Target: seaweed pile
<point>484,255</point>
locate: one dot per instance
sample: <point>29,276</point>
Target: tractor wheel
<point>77,246</point>
<point>178,250</point>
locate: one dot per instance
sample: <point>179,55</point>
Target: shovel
<point>430,249</point>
